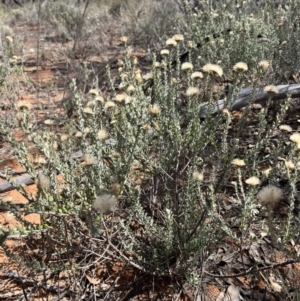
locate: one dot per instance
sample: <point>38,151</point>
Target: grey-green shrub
<point>173,169</point>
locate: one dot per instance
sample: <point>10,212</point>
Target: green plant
<point>65,15</point>
<point>176,173</point>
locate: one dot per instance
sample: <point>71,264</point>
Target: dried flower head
<point>109,105</point>
<point>271,89</point>
<point>120,97</point>
<point>263,65</point>
<point>106,203</point>
<point>130,88</point>
<point>100,99</point>
<point>90,103</point>
<point>134,60</point>
<point>156,126</point>
<point>267,171</point>
<point>124,39</point>
<point>88,110</point>
<point>214,69</point>
<point>164,52</point>
<point>226,112</point>
<point>23,105</point>
<point>240,67</point>
<point>187,66</point>
<point>49,122</point>
<point>138,77</point>
<point>238,162</point>
<point>270,195</point>
<point>295,137</point>
<point>55,145</point>
<point>146,127</point>
<point>9,39</point>
<point>155,109</point>
<point>198,176</point>
<point>289,164</point>
<point>40,160</point>
<point>148,76</point>
<point>102,134</point>
<point>196,75</point>
<point>116,188</point>
<point>286,128</point>
<point>89,159</point>
<point>171,42</point>
<point>190,44</point>
<point>78,135</point>
<point>157,64</point>
<point>64,137</point>
<point>129,99</point>
<point>42,182</point>
<point>116,155</point>
<point>253,181</point>
<point>192,91</point>
<point>94,92</point>
<point>178,37</point>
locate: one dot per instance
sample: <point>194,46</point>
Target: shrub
<point>65,16</point>
<point>174,172</point>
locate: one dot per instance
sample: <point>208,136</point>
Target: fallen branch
<point>4,173</point>
<point>22,180</point>
<point>49,288</point>
<point>255,269</point>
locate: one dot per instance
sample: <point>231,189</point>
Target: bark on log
<point>6,186</point>
<point>249,95</point>
<point>22,180</point>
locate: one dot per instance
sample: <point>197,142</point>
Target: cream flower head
<point>263,65</point>
<point>295,138</point>
<point>23,105</point>
<point>271,89</point>
<point>238,162</point>
<point>88,110</point>
<point>198,176</point>
<point>171,42</point>
<point>124,39</point>
<point>102,134</point>
<point>94,92</point>
<point>187,66</point>
<point>240,67</point>
<point>285,127</point>
<point>178,37</point>
<point>155,109</point>
<point>164,52</point>
<point>192,91</point>
<point>214,69</point>
<point>196,75</point>
<point>253,181</point>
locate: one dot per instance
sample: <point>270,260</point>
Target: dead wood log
<point>22,180</point>
<point>25,180</point>
<point>248,96</point>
